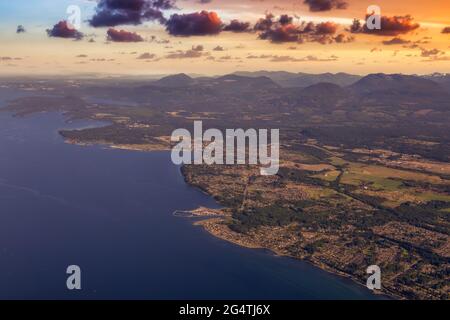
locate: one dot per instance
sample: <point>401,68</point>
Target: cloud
<point>437,58</point>
<point>111,13</point>
<point>20,29</point>
<point>283,31</point>
<point>325,5</point>
<point>262,56</point>
<point>265,23</point>
<point>416,44</point>
<point>430,53</point>
<point>277,58</point>
<point>146,56</point>
<point>326,28</point>
<point>188,54</point>
<point>284,59</point>
<point>285,19</point>
<point>194,24</point>
<point>390,26</point>
<point>237,26</point>
<point>395,41</point>
<point>64,30</point>
<point>123,36</point>
<point>433,55</point>
<point>309,58</point>
<point>159,41</point>
<point>446,30</point>
<point>342,38</point>
<point>101,59</point>
<point>197,48</point>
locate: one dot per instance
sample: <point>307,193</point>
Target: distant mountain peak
<point>176,80</point>
<point>259,82</point>
<point>398,84</point>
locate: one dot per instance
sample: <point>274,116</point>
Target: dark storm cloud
<point>325,5</point>
<point>123,36</point>
<point>390,26</point>
<point>64,30</point>
<point>265,23</point>
<point>194,24</point>
<point>285,19</point>
<point>237,26</point>
<point>110,13</point>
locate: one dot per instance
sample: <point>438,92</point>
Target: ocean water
<point>110,212</point>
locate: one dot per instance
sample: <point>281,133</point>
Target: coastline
<point>214,220</point>
<point>214,226</point>
<point>129,147</point>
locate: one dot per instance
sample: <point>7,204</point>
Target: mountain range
<point>372,83</point>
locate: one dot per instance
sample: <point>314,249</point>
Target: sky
<point>212,37</point>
